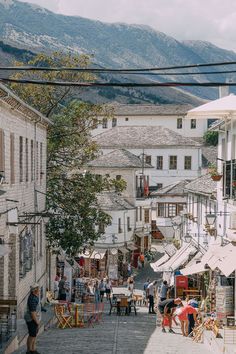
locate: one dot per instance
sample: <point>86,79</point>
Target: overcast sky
<point>211,20</point>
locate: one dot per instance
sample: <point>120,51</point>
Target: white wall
<point>167,176</point>
<point>169,122</point>
<point>12,121</point>
<point>125,236</point>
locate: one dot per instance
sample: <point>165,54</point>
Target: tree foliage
<point>71,191</point>
<point>211,138</point>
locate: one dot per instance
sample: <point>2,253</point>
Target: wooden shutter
<point>2,152</point>
<point>12,158</point>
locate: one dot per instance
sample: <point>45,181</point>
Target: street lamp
<point>210,219</point>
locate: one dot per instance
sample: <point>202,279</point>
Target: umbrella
<point>219,109</point>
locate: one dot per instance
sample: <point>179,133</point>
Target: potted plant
<point>215,175</point>
<point>234,184</point>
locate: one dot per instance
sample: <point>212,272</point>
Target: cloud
<point>211,20</point>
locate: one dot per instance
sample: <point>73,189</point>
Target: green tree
<point>211,138</point>
<point>71,191</point>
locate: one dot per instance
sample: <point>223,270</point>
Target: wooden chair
<point>64,318</point>
<point>122,305</point>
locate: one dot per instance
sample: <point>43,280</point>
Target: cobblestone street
<point>117,335</point>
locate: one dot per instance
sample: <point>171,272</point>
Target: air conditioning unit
<point>233,220</point>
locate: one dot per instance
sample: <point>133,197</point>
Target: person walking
<point>142,259</point>
<point>151,292</point>
<point>163,291</point>
<point>166,309</point>
<point>62,288</point>
<point>102,289</point>
<point>32,318</point>
<point>145,285</point>
<point>108,288</point>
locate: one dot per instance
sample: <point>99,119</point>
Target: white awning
<point>178,259</point>
<point>132,247</point>
<point>123,250</point>
<point>228,264</point>
<point>224,259</point>
<point>4,250</point>
<point>194,266</point>
<point>160,261</point>
<point>217,256</point>
<point>167,231</point>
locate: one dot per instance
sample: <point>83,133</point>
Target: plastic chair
<point>89,314</point>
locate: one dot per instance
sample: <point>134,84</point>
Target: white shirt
<point>151,289</point>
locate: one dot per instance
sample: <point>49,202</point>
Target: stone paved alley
<point>117,335</point>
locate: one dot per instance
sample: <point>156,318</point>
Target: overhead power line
<point>115,84</point>
<point>34,68</point>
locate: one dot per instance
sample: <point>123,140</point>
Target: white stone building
<point>173,156</point>
<point>23,149</point>
<point>167,115</point>
<point>168,204</point>
<point>136,173</point>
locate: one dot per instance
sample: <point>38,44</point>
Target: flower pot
<point>234,184</point>
<point>216,178</point>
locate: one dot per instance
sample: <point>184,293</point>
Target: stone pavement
<point>117,335</point>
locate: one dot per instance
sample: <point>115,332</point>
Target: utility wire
<point>115,84</point>
<point>33,68</point>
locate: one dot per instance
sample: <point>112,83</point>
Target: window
<point>26,160</point>
<point>26,253</point>
<point>41,161</point>
<point>126,119</point>
<point>159,185</point>
<point>128,224</point>
<point>146,216</point>
<point>193,123</point>
<point>41,239</point>
<point>171,210</point>
<point>187,162</point>
<point>161,209</point>
<point>179,123</point>
<point>101,228</point>
<point>114,122</point>
<point>148,159</point>
<point>118,177</point>
<point>12,158</point>
<point>104,123</point>
<point>140,213</point>
<point>136,213</point>
<point>159,162</point>
<point>2,152</point>
<point>173,162</point>
<point>119,226</point>
<point>21,158</point>
<point>32,159</point>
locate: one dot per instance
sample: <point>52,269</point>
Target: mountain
<point>33,28</point>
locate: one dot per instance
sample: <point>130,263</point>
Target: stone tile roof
<point>119,158</point>
<point>112,201</point>
<point>142,137</point>
<point>202,185</point>
<point>151,109</point>
<point>209,155</point>
<point>176,188</point>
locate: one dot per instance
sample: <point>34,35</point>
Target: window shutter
<point>12,158</point>
<point>2,151</point>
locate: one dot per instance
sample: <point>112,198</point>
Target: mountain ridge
<point>33,28</point>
